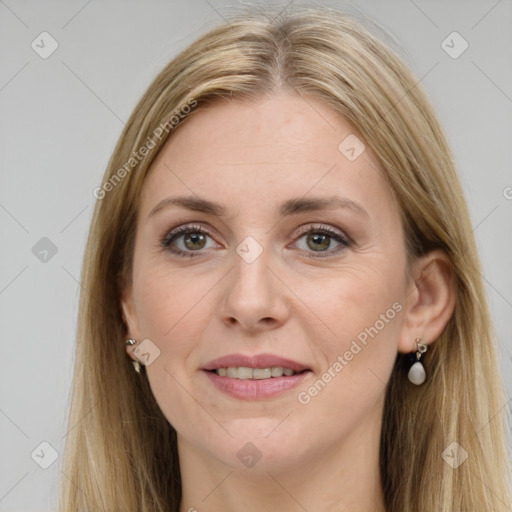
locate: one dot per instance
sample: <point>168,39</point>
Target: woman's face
<point>300,264</point>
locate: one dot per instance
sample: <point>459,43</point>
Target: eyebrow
<point>289,207</point>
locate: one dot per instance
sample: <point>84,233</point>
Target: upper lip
<point>254,361</point>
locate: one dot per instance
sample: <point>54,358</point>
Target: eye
<point>319,239</point>
<point>186,240</point>
<point>193,238</point>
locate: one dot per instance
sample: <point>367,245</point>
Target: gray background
<point>62,115</point>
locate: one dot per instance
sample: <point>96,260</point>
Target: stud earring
<point>417,373</point>
<point>136,364</point>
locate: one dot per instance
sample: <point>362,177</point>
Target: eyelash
<point>170,237</point>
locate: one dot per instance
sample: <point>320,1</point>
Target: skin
<point>251,157</point>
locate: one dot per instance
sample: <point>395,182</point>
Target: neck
<point>338,478</point>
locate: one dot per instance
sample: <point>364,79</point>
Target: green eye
<point>190,239</point>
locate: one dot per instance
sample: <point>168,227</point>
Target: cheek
<point>167,300</point>
<point>363,310</point>
<point>172,313</point>
<point>362,304</point>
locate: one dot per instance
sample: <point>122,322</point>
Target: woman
<point>282,249</point>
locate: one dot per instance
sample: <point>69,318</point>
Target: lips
<point>225,373</point>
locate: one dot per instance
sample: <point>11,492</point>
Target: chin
<point>261,446</point>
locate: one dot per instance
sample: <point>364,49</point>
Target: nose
<point>255,297</point>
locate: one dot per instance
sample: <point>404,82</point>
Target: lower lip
<point>255,389</point>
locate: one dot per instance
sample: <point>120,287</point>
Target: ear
<point>430,300</point>
<point>130,316</point>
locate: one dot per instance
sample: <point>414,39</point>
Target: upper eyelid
<point>320,226</point>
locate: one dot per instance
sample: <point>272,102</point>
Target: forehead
<point>256,152</point>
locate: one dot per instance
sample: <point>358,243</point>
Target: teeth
<point>277,371</point>
<point>261,373</point>
<point>242,372</point>
<point>232,372</point>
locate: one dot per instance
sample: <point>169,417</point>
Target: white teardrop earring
<point>417,373</point>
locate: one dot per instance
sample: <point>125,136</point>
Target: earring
<point>417,373</point>
<point>136,364</point>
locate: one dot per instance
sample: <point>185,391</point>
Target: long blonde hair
<point>121,452</point>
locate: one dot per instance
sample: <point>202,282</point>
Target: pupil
<point>323,240</point>
<point>195,238</point>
